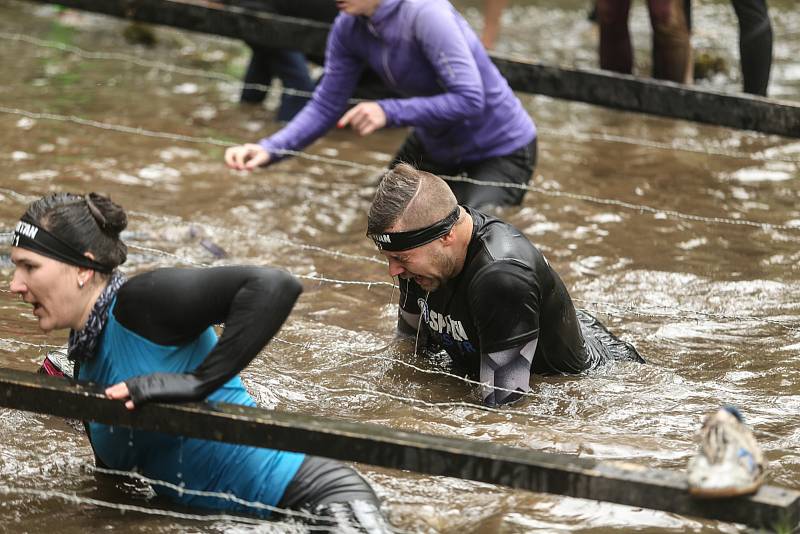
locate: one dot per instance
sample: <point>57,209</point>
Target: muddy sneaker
<point>730,462</point>
<point>56,364</point>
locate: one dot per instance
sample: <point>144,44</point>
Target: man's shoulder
<point>499,240</point>
<point>502,278</point>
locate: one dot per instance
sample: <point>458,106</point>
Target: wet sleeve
<point>506,374</point>
<point>343,69</point>
<point>445,47</point>
<point>504,299</point>
<point>174,306</point>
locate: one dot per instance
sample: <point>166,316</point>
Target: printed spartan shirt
<point>505,296</point>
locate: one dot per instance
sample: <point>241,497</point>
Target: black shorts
<point>515,168</point>
<point>321,481</point>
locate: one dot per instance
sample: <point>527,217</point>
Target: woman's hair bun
<point>110,216</point>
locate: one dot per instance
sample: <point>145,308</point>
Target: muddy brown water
<point>713,306</point>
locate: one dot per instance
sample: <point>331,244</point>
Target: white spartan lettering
<point>26,229</point>
<point>443,323</point>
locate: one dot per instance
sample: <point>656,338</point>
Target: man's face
<point>358,7</point>
<point>430,266</point>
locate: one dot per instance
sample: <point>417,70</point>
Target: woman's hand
<point>120,392</point>
<point>246,157</point>
<point>364,118</point>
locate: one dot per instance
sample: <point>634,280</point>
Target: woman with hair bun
<point>151,338</point>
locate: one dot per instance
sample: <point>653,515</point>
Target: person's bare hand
<point>120,392</point>
<point>364,118</point>
<point>246,157</point>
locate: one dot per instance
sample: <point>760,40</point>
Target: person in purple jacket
<point>466,120</point>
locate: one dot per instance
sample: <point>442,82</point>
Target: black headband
<point>33,237</point>
<point>397,241</point>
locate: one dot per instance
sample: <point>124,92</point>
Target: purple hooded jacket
<point>459,104</point>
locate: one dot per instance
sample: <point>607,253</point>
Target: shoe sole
<point>721,493</point>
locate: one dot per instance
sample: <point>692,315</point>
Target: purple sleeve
<point>445,47</point>
<point>342,71</point>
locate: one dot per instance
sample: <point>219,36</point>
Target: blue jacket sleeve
<point>342,71</point>
<point>444,46</point>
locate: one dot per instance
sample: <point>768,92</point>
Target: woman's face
<point>50,286</point>
<point>358,7</point>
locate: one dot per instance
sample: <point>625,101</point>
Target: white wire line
<point>33,345</point>
<point>303,515</point>
<point>573,135</point>
<point>115,127</point>
<point>441,406</point>
<point>157,65</point>
<point>261,237</point>
<point>369,284</point>
<point>172,220</point>
<point>163,253</point>
<point>321,279</point>
<point>673,214</point>
<point>219,76</point>
<point>682,313</point>
<point>77,499</point>
<point>320,348</point>
<point>642,208</point>
<point>181,490</point>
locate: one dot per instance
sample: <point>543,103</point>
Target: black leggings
<point>516,168</point>
<point>337,495</point>
<point>321,481</point>
<point>755,44</point>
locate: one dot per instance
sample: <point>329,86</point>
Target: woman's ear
<point>85,274</point>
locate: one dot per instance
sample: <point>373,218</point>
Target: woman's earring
<point>80,284</point>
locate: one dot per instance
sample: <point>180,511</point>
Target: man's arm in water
<point>504,302</point>
<point>506,374</point>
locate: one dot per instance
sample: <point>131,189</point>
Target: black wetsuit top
<point>174,306</point>
<point>505,296</point>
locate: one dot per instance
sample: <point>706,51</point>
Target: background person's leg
<point>672,49</point>
<point>755,44</point>
<point>615,49</point>
<point>291,67</point>
<point>259,72</point>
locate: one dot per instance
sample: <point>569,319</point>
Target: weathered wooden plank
<point>600,88</point>
<point>559,474</point>
<point>227,20</point>
<point>667,99</point>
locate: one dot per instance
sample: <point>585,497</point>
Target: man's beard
<point>445,265</point>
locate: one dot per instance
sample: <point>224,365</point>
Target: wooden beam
<point>654,97</point>
<point>559,474</point>
<point>600,88</point>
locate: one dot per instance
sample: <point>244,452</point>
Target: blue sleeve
<point>343,68</point>
<point>441,37</point>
